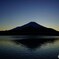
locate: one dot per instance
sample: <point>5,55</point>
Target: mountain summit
<point>31,28</point>
<point>33,24</point>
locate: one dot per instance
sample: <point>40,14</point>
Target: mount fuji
<point>31,28</point>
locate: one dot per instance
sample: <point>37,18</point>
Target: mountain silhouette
<point>31,28</point>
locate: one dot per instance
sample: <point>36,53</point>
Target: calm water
<point>29,47</point>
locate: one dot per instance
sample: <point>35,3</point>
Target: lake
<point>29,47</point>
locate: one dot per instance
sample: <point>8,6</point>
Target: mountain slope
<point>32,28</point>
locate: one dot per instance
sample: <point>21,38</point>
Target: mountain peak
<point>32,22</point>
<point>33,25</point>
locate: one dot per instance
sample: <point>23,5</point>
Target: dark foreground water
<point>29,47</point>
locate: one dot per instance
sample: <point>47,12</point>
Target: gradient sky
<point>15,13</point>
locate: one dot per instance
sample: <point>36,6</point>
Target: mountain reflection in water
<point>29,47</point>
<point>33,42</point>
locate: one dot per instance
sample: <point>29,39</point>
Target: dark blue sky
<point>15,13</point>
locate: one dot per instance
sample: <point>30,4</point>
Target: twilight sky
<point>15,13</point>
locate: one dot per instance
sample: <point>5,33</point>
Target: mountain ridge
<point>31,28</point>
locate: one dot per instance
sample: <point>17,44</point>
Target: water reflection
<point>34,43</point>
<point>13,47</point>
